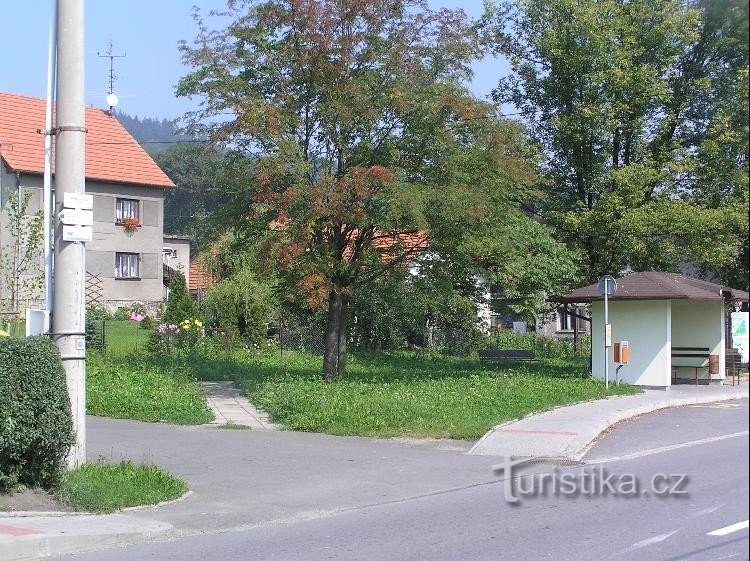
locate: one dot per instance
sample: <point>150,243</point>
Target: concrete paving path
<point>229,407</point>
<point>569,432</point>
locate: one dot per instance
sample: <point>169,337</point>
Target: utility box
<point>37,322</point>
<point>713,364</point>
<point>622,352</point>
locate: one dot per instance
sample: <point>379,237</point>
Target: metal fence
<point>311,340</point>
<point>111,336</point>
<point>306,339</point>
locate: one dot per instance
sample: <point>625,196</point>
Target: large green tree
<point>207,182</point>
<point>641,111</point>
<point>357,113</point>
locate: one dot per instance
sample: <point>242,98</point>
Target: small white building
<point>675,327</point>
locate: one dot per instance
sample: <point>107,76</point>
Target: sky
<point>147,32</point>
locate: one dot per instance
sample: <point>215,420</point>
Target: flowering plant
<point>163,338</point>
<point>130,224</point>
<point>138,311</point>
<point>165,329</point>
<point>191,324</point>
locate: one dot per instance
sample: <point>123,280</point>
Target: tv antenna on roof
<point>111,96</point>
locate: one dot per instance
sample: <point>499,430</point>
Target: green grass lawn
<point>385,394</point>
<point>124,337</point>
<point>129,387</point>
<point>398,393</point>
<point>106,488</point>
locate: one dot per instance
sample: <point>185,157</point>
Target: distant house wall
<point>646,325</point>
<point>11,184</point>
<point>109,238</point>
<point>559,328</point>
<point>180,257</point>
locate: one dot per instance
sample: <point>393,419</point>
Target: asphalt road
<point>385,500</point>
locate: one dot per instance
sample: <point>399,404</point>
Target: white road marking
<point>669,448</point>
<point>705,511</point>
<point>729,529</point>
<point>716,406</point>
<point>650,541</point>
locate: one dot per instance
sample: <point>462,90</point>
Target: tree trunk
<point>333,328</point>
<point>343,332</point>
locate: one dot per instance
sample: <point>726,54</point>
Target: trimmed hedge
<point>36,428</point>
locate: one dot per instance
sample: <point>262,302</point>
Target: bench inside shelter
<point>694,357</point>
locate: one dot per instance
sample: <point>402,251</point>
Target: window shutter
<point>150,264</point>
<point>104,208</point>
<point>100,263</point>
<point>150,213</point>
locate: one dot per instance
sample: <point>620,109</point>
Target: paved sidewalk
<point>229,407</point>
<point>569,432</point>
<point>33,537</point>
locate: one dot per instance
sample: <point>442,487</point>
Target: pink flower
<point>135,316</point>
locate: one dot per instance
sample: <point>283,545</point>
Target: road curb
<point>30,548</point>
<point>40,537</point>
<point>571,432</point>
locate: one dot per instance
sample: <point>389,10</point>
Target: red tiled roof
<point>198,277</point>
<point>652,285</point>
<point>112,155</point>
<point>411,245</point>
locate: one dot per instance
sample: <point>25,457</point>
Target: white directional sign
<point>76,217</point>
<point>78,200</point>
<point>77,233</point>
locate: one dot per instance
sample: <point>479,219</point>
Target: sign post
<point>607,287</point>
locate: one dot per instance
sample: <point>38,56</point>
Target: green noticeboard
<point>740,334</point>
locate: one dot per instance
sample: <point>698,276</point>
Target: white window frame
<point>132,264</point>
<point>563,320</point>
<point>127,208</point>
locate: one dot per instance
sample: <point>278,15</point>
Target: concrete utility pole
<point>68,322</point>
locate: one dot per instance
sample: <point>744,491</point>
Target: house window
<point>126,266</point>
<point>127,209</point>
<point>565,319</point>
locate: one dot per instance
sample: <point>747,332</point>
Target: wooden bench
<point>689,357</point>
<point>500,355</point>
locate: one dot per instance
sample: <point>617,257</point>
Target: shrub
<point>180,305</point>
<point>95,335</point>
<point>98,313</point>
<point>240,306</point>
<point>36,429</point>
<point>122,314</point>
<point>545,347</point>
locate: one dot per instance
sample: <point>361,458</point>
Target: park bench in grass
<point>501,355</point>
<point>690,357</point>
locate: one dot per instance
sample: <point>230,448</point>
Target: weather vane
<point>111,96</point>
